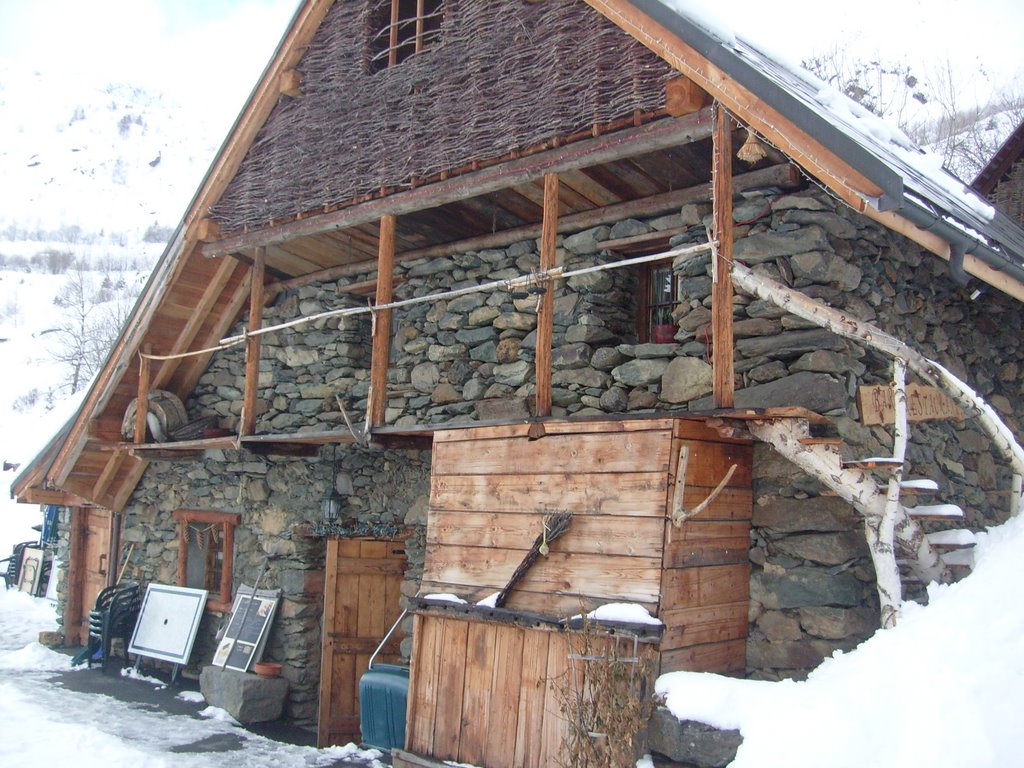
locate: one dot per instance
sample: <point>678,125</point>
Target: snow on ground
<point>42,723</point>
<point>945,688</point>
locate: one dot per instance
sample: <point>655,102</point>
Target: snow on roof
<point>932,188</point>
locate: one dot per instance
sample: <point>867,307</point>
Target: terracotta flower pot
<point>267,668</point>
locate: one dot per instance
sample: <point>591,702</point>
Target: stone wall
<point>279,499</point>
<point>470,358</point>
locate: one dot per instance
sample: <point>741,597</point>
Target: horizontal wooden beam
<point>50,496</point>
<point>659,134</point>
<point>784,176</point>
<point>683,96</point>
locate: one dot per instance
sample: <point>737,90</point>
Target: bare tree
<point>94,310</point>
<point>929,108</point>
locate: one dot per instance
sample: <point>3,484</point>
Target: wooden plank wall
<point>706,569</point>
<point>486,694</point>
<point>492,486</point>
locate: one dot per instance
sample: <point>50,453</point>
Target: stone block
<point>246,697</point>
<point>690,742</point>
<point>804,587</point>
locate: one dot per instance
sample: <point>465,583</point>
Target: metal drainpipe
<point>959,241</point>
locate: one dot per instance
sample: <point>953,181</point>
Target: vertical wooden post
<point>252,344</point>
<point>76,628</point>
<point>420,11</point>
<point>721,289</point>
<point>142,399</point>
<point>381,354</point>
<point>393,35</point>
<point>546,310</point>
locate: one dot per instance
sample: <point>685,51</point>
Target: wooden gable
<point>501,77</point>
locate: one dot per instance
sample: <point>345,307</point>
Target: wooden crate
<point>491,488</point>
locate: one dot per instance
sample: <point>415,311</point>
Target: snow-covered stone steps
<point>951,540</point>
<point>886,463</point>
<point>919,485</point>
<point>945,512</point>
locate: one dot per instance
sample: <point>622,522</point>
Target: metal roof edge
<point>718,53</point>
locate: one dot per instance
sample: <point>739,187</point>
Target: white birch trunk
<point>856,487</point>
<point>880,532</point>
<point>931,371</point>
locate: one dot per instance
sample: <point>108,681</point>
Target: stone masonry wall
<point>277,496</point>
<point>470,358</point>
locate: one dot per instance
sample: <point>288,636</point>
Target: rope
<point>534,279</point>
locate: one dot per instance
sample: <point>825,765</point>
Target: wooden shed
<point>485,681</point>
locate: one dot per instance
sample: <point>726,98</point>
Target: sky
<point>210,53</point>
<point>207,54</point>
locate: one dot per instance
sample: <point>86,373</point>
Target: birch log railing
<point>886,520</point>
<point>931,371</point>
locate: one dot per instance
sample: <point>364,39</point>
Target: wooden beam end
<point>290,83</point>
<point>684,97</point>
<point>209,231</point>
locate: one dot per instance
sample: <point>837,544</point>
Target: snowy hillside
<point>93,175</point>
<point>96,168</point>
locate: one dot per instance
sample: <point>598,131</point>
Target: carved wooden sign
<point>877,405</point>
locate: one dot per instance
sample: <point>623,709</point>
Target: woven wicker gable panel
<point>1009,195</point>
<point>507,74</point>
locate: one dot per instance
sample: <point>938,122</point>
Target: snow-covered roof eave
<point>879,151</point>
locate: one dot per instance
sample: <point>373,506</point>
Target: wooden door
<point>361,596</point>
<point>89,569</point>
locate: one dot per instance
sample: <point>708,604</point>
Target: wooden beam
<point>784,175</point>
<point>36,495</point>
<point>196,318</point>
<point>207,230</point>
<point>683,96</point>
<point>252,344</point>
<point>721,288</point>
<point>142,399</point>
<point>381,343</point>
<point>127,486</point>
<point>74,631</point>
<point>972,264</point>
<point>546,309</point>
<point>618,145</point>
<point>107,475</point>
<point>290,83</point>
<point>844,180</point>
<point>361,288</point>
<point>197,364</point>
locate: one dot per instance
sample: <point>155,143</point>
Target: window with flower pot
<point>660,293</point>
<point>206,546</point>
<point>399,29</point>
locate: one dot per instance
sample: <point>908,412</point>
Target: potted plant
<point>663,327</point>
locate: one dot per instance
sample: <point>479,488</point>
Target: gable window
<point>402,28</point>
<point>206,547</point>
<point>660,293</point>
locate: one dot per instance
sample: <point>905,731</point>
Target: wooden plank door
<point>90,568</point>
<point>361,601</point>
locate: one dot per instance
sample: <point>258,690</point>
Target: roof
<point>192,300</point>
<point>1009,153</point>
<point>911,181</point>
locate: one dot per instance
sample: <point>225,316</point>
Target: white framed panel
<point>168,622</point>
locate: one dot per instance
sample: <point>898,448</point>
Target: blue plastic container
<point>383,694</point>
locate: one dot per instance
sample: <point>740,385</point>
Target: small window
<point>661,292</point>
<point>206,547</point>
<point>402,28</point>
